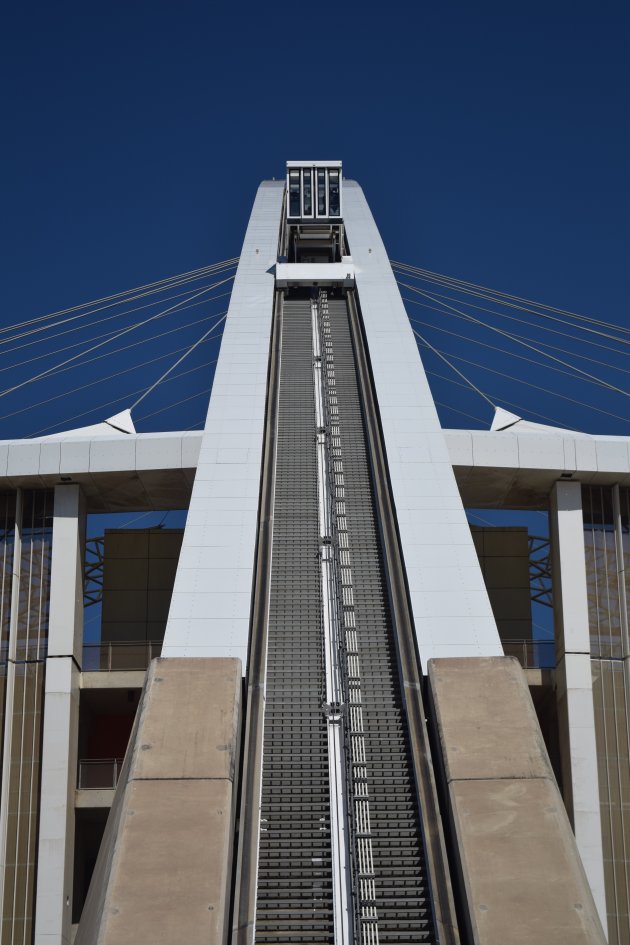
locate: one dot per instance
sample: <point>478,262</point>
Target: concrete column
<point>515,859</point>
<point>576,712</point>
<point>164,868</point>
<point>53,915</point>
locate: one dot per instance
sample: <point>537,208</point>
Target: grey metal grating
<point>401,895</point>
<point>294,894</point>
<point>294,883</point>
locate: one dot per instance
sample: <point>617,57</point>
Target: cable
<point>468,287</point>
<point>193,274</point>
<point>621,341</point>
<point>143,341</point>
<point>562,321</point>
<point>497,296</point>
<point>176,363</point>
<point>544,390</point>
<point>453,368</point>
<point>99,321</point>
<point>176,404</point>
<point>545,344</point>
<point>100,380</point>
<point>132,298</point>
<point>470,416</point>
<point>484,344</point>
<point>116,400</point>
<point>531,347</point>
<point>125,331</point>
<point>525,410</point>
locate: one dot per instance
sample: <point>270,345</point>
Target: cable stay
<point>128,295</point>
<point>121,397</point>
<point>120,334</point>
<point>128,370</point>
<point>505,298</point>
<point>521,407</point>
<point>441,355</point>
<point>525,344</point>
<point>518,380</point>
<point>544,344</point>
<point>511,354</point>
<point>176,363</point>
<point>99,321</point>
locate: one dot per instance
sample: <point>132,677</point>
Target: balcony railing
<point>95,773</point>
<point>532,654</point>
<point>118,656</point>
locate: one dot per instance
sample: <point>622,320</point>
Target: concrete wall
<point>164,869</point>
<point>520,874</point>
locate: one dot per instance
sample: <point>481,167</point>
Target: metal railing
<point>119,656</point>
<point>532,654</point>
<point>95,773</point>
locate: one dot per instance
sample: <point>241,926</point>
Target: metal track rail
<point>294,895</point>
<point>332,670</point>
<point>391,885</point>
<point>410,682</point>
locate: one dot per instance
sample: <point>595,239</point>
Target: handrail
<point>119,656</point>
<point>532,654</point>
<point>99,773</point>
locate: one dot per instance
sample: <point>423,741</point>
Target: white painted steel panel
<point>23,458</point>
<point>612,456</point>
<point>314,274</point>
<point>210,608</point>
<point>585,454</point>
<point>459,623</point>
<point>540,451</point>
<point>75,457</point>
<point>50,459</point>
<point>495,450</point>
<point>119,453</point>
<point>163,451</point>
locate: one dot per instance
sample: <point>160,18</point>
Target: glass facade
<point>607,549</point>
<point>26,672</point>
<point>601,573</point>
<point>7,537</point>
<point>613,762</point>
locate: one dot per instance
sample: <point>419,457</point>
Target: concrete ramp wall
<point>163,873</point>
<point>520,874</point>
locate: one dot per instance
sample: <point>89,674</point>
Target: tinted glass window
<point>294,194</point>
<point>334,207</point>
<point>321,193</point>
<point>308,193</point>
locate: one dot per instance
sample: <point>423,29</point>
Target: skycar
<point>314,190</point>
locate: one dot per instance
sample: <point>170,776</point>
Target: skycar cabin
<point>314,190</point>
<point>314,230</point>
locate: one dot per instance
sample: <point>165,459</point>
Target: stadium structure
<point>319,712</point>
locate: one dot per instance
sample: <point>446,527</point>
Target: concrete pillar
<point>515,858</point>
<point>576,712</point>
<point>164,868</point>
<point>53,915</point>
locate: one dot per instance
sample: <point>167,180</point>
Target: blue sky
<point>491,139</point>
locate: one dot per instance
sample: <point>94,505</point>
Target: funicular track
<point>294,897</point>
<point>286,889</point>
